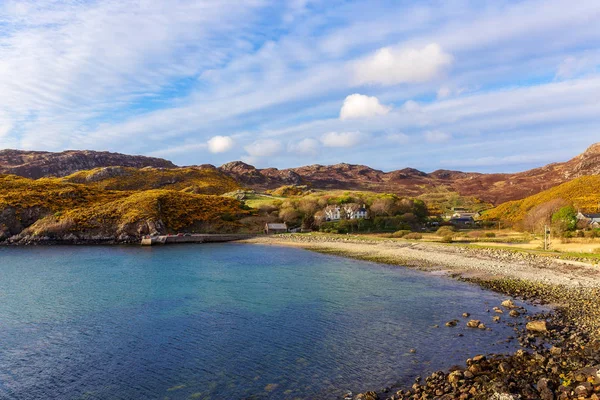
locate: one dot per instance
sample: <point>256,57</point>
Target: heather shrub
<point>413,236</point>
<point>401,233</point>
<point>447,239</point>
<point>445,231</point>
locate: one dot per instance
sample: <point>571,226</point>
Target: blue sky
<point>470,85</point>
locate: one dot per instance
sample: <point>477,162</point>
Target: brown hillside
<point>492,188</point>
<point>38,164</point>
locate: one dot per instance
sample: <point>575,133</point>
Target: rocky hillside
<point>490,188</point>
<point>493,188</point>
<point>198,180</point>
<point>38,164</point>
<point>55,209</point>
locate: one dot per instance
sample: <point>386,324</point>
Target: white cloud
<point>263,148</point>
<point>341,139</point>
<point>411,106</point>
<point>437,136</point>
<point>361,106</point>
<point>574,66</point>
<point>443,92</point>
<point>390,66</point>
<point>220,144</point>
<point>399,138</point>
<point>306,146</point>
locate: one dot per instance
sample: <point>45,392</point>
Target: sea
<point>226,321</point>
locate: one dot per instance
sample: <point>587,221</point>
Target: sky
<point>476,85</point>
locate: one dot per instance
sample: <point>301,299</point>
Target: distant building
<point>333,213</point>
<point>346,211</point>
<point>462,221</point>
<point>271,228</point>
<point>591,220</point>
<point>465,214</point>
<point>355,211</point>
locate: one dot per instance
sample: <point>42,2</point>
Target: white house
<point>354,211</point>
<point>346,211</point>
<point>333,213</point>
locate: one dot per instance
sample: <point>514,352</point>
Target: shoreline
<point>560,360</point>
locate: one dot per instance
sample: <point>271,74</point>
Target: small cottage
<point>272,228</point>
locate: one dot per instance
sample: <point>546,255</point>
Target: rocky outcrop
<point>37,164</point>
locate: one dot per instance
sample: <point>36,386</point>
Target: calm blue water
<point>223,321</point>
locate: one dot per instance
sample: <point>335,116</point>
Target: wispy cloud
<point>437,136</point>
<point>341,139</point>
<point>215,80</point>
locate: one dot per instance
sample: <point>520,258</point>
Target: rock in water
<point>537,326</point>
<point>508,304</point>
<point>474,323</point>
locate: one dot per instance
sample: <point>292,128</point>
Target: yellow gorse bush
<point>583,192</point>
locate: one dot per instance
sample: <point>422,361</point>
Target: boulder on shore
<point>367,396</point>
<point>537,326</point>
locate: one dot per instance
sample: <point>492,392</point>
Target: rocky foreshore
<point>560,354</point>
<point>26,240</point>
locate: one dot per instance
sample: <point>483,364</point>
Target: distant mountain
<point>38,164</point>
<point>493,188</point>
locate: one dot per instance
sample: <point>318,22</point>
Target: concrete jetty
<point>193,238</point>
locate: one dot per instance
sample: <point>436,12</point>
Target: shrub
<point>413,236</point>
<point>445,231</point>
<point>592,234</point>
<point>447,239</point>
<point>401,233</point>
<point>490,234</point>
<point>565,219</point>
<point>476,234</point>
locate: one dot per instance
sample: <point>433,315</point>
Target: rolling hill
<point>492,188</point>
<point>582,192</point>
<point>124,172</point>
<point>199,180</point>
<point>56,209</point>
